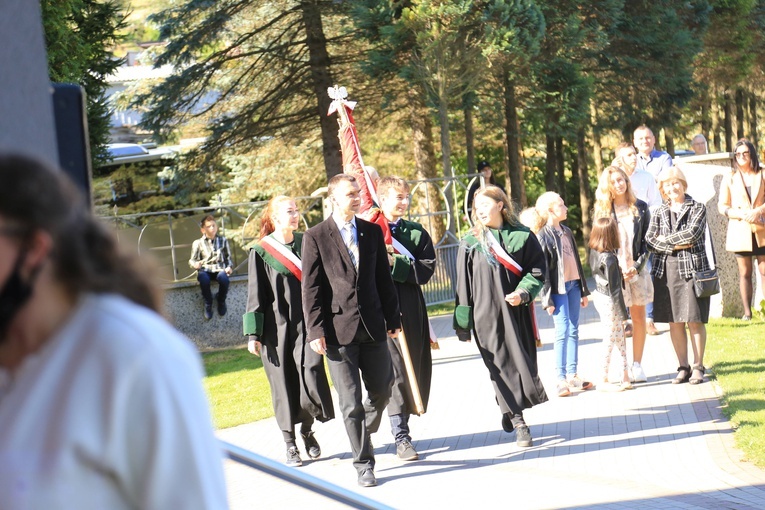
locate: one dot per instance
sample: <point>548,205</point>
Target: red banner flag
<point>352,161</point>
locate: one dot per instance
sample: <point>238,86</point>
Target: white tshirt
<point>645,188</point>
<point>109,414</point>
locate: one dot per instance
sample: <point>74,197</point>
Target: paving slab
<point>659,445</point>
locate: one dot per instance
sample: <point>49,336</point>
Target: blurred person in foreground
<point>101,400</point>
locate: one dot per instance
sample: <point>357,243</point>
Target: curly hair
<point>85,254</point>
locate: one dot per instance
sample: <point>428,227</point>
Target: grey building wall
<point>26,111</point>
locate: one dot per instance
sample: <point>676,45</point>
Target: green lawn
<point>441,309</point>
<point>239,392</point>
<point>736,353</point>
<point>237,386</point>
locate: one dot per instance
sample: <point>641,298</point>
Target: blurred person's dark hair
<point>85,256</point>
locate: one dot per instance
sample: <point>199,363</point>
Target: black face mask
<point>14,294</point>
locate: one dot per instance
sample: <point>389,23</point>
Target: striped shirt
<point>214,254</point>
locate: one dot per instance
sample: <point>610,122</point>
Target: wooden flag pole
<point>419,408</point>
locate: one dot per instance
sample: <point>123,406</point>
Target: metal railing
<point>301,479</point>
<point>168,235</point>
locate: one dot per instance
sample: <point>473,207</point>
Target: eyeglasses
<point>742,154</point>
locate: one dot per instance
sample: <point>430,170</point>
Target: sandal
<point>698,374</point>
<point>683,374</point>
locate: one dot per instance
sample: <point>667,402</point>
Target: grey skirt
<point>674,299</point>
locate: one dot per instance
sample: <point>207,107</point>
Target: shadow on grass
<point>230,360</point>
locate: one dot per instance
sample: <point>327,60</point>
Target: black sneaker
<point>507,424</point>
<point>293,457</point>
<point>523,436</point>
<point>311,445</point>
<point>222,308</point>
<point>208,311</point>
<point>405,451</point>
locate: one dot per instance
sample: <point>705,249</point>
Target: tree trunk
<point>550,166</point>
<point>715,104</point>
<point>585,193</point>
<point>740,120</point>
<point>512,143</point>
<point>597,150</point>
<point>425,164</point>
<point>319,62</point>
<point>669,141</point>
<point>728,110</point>
<point>467,107</point>
<point>561,176</point>
<point>446,156</point>
<point>706,123</point>
<point>753,136</point>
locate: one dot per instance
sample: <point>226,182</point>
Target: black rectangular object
<point>72,134</point>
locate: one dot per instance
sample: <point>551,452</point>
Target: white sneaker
<point>637,373</point>
<point>577,383</point>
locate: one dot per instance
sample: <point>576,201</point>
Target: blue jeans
<point>566,319</point>
<point>204,278</point>
<point>399,427</point>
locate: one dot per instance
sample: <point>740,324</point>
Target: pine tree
<point>79,36</point>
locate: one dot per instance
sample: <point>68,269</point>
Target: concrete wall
<point>184,308</point>
<point>704,174</point>
<point>26,106</point>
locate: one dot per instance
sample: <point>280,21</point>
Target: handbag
<point>707,283</point>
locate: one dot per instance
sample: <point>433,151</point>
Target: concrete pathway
<point>657,446</point>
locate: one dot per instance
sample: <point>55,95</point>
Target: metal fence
<point>168,235</point>
<point>301,479</point>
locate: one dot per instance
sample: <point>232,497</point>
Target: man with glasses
<point>699,145</point>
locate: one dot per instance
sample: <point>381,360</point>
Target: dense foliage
<point>544,90</point>
<point>79,37</point>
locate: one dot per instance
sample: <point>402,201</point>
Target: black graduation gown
<point>299,386</point>
<point>504,334</point>
<point>407,276</point>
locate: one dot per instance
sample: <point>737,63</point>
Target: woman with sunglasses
<point>742,201</point>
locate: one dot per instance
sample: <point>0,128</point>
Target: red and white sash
<point>502,257</point>
<point>283,255</point>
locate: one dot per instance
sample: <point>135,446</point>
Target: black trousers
<point>368,361</point>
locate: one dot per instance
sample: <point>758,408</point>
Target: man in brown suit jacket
<point>350,308</point>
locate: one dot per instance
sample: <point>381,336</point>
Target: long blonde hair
<point>604,195</point>
<point>537,217</point>
<point>531,219</point>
